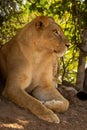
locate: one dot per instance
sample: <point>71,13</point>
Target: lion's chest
<point>44,69</point>
<point>55,67</point>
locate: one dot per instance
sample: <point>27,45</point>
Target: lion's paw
<point>53,118</point>
<point>50,117</point>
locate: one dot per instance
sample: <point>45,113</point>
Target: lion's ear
<point>41,22</point>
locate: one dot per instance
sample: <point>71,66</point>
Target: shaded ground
<point>13,117</point>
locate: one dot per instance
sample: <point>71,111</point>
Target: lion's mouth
<point>60,53</point>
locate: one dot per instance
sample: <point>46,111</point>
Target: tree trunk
<point>82,60</point>
<point>85,81</point>
<point>81,72</point>
<point>83,46</point>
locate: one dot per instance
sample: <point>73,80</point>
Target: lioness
<point>28,64</point>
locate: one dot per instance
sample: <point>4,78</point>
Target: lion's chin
<point>61,53</point>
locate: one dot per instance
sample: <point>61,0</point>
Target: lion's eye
<point>55,32</point>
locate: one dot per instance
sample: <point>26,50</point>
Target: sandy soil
<point>13,117</point>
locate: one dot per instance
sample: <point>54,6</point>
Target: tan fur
<point>28,64</point>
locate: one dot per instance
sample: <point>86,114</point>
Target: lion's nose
<point>67,45</point>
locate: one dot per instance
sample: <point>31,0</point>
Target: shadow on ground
<point>13,117</point>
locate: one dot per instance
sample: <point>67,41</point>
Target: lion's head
<point>46,34</point>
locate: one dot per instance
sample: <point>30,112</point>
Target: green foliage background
<point>70,14</point>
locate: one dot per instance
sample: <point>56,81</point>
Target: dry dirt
<point>13,117</point>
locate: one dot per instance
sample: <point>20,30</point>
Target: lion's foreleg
<point>52,99</point>
<point>19,96</point>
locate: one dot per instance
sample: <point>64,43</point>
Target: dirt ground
<point>13,117</point>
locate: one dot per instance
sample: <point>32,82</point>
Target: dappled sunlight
<point>11,125</point>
